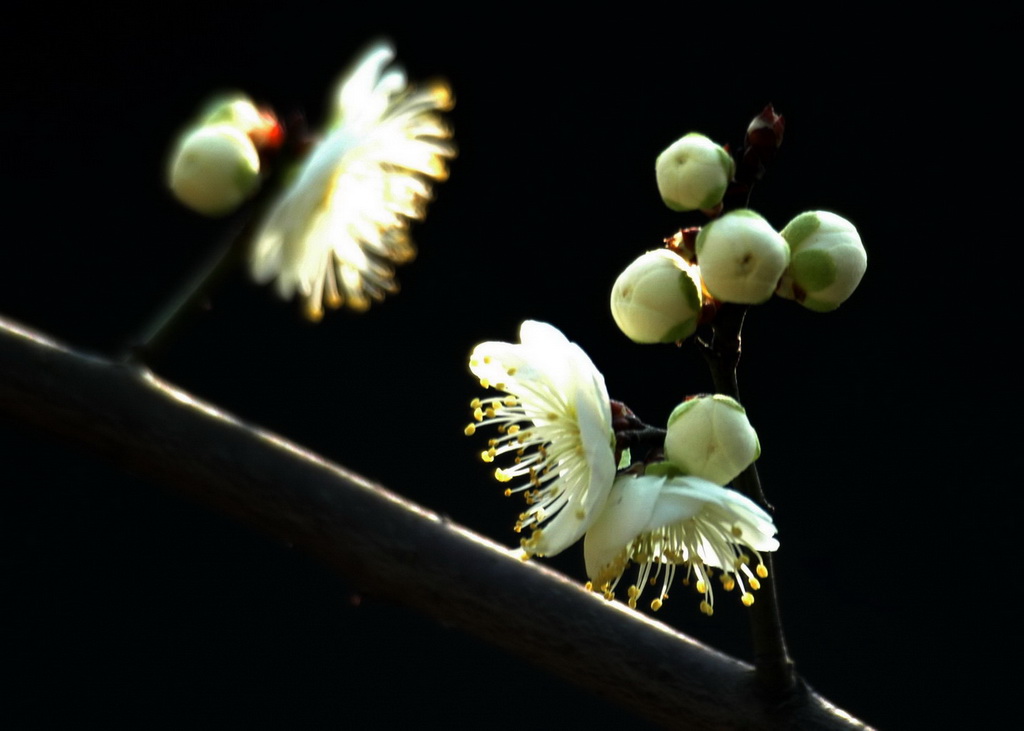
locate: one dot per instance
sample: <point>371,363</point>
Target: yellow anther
<point>633,592</point>
<point>513,429</point>
<point>736,531</point>
<point>655,604</point>
<point>473,362</point>
<point>508,492</point>
<point>470,430</point>
<point>487,360</point>
<point>754,584</point>
<point>632,603</point>
<point>475,403</point>
<point>747,599</point>
<point>510,401</point>
<point>728,584</point>
<point>589,586</point>
<point>706,608</point>
<point>490,412</point>
<point>500,386</point>
<point>486,456</point>
<point>761,571</point>
<point>501,476</point>
<point>702,587</point>
<point>478,414</point>
<point>511,371</point>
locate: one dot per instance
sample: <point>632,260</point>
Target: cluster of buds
<point>214,166</point>
<point>817,259</point>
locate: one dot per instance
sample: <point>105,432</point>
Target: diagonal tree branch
<point>385,544</point>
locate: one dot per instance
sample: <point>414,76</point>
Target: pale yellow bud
<point>657,298</point>
<point>827,260</point>
<point>711,437</point>
<point>213,169</point>
<point>741,257</point>
<point>693,173</point>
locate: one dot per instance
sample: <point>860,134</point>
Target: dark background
<point>126,603</point>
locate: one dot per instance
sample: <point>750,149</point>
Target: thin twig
<point>721,351</point>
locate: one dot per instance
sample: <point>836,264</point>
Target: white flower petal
<point>556,420</point>
<point>626,514</point>
<point>684,521</point>
<point>332,236</point>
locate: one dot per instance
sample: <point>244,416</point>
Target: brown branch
<point>385,544</point>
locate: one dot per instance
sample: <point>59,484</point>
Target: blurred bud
<point>693,173</point>
<point>827,261</point>
<point>214,168</point>
<point>657,298</point>
<point>238,110</point>
<point>235,109</point>
<point>766,129</point>
<point>741,257</point>
<point>710,437</point>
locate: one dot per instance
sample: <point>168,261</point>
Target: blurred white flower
<point>335,232</point>
<point>556,419</point>
<point>663,523</point>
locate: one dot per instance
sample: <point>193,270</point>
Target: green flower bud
<point>214,168</point>
<point>827,261</point>
<point>657,298</point>
<point>710,437</point>
<point>693,173</point>
<point>741,257</point>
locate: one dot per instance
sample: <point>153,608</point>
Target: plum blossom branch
<point>385,544</point>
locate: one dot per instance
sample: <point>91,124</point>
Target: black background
<point>880,423</point>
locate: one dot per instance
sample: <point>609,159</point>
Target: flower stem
<point>775,670</point>
<point>156,334</point>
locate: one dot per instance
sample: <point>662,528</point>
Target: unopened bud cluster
<point>817,259</point>
<point>215,164</point>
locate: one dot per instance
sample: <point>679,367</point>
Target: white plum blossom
<point>666,523</point>
<point>335,232</point>
<point>555,418</point>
